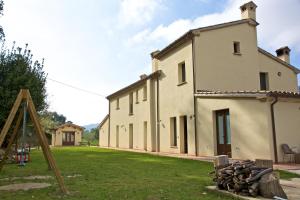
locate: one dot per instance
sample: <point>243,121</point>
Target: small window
<point>264,81</point>
<point>181,73</point>
<point>173,131</point>
<point>145,93</point>
<point>117,104</point>
<point>137,96</point>
<point>131,103</point>
<point>236,48</point>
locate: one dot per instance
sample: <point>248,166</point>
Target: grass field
<point>110,174</point>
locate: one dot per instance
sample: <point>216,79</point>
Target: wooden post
<point>44,143</point>
<point>11,116</point>
<point>24,94</point>
<point>12,139</point>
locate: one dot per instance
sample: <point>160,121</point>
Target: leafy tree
<point>1,13</point>
<point>18,71</point>
<point>91,136</point>
<point>51,120</point>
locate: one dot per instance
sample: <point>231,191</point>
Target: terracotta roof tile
<point>248,93</point>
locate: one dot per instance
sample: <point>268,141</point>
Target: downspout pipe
<point>157,117</point>
<point>194,98</point>
<point>274,129</point>
<point>108,138</point>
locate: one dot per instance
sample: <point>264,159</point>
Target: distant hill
<point>90,126</point>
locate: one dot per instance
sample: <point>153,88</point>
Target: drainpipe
<point>108,138</point>
<point>157,117</point>
<point>194,98</point>
<point>274,129</point>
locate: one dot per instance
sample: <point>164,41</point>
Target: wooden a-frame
<point>24,95</point>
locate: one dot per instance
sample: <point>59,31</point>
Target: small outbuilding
<point>67,135</point>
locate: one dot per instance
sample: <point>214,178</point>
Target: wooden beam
<point>44,143</point>
<point>12,139</point>
<point>40,139</point>
<point>11,116</point>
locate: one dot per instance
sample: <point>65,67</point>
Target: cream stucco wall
<point>287,81</point>
<point>176,100</point>
<point>142,139</point>
<point>249,122</point>
<point>218,68</point>
<point>287,118</point>
<point>103,133</point>
<point>57,137</point>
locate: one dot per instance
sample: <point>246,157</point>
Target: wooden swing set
<point>25,97</point>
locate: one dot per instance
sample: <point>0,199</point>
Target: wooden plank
<point>12,139</point>
<point>44,143</point>
<point>40,139</point>
<point>11,116</point>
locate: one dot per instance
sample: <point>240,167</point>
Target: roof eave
<point>133,85</point>
<point>293,68</point>
<point>189,35</point>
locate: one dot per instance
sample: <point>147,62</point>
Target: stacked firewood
<point>240,177</point>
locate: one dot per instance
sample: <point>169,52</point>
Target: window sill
<point>179,84</point>
<point>144,99</point>
<point>174,147</point>
<point>237,54</point>
<point>117,108</point>
<point>137,102</point>
<point>130,114</point>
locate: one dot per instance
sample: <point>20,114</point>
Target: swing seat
<point>25,156</point>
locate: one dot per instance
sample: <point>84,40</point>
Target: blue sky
<point>102,46</point>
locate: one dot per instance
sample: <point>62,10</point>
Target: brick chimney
<point>283,53</point>
<point>248,10</point>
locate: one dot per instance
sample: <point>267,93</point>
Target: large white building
<point>212,91</point>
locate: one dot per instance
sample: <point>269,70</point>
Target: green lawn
<point>110,174</point>
<point>287,175</point>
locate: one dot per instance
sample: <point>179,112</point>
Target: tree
<point>50,121</point>
<point>17,71</point>
<point>91,136</point>
<point>1,13</point>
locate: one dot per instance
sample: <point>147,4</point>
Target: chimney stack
<point>248,10</point>
<point>154,60</point>
<point>284,54</point>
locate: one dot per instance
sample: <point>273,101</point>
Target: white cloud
<point>137,12</point>
<point>277,28</point>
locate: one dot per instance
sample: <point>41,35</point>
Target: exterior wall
<point>176,100</point>
<point>59,134</point>
<point>251,135</point>
<point>216,68</point>
<point>141,113</point>
<point>103,133</point>
<point>288,79</point>
<point>215,62</point>
<point>287,118</point>
<point>57,139</point>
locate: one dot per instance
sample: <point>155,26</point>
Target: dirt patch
<point>74,176</point>
<point>24,186</point>
<point>27,178</point>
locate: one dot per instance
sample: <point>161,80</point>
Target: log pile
<point>241,177</point>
